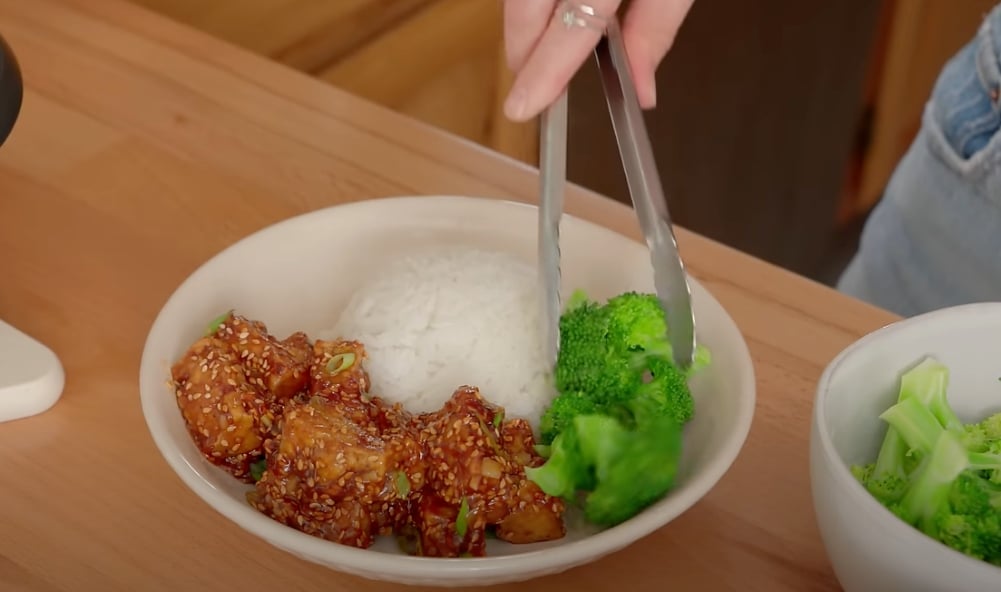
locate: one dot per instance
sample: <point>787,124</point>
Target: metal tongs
<point>646,192</point>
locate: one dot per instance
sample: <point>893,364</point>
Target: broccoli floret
<point>887,477</point>
<point>936,473</point>
<point>984,436</point>
<point>615,358</point>
<point>559,415</point>
<point>622,469</point>
<point>613,434</point>
<point>565,470</point>
<point>633,469</point>
<point>887,486</point>
<point>920,430</point>
<point>926,498</point>
<point>991,427</point>
<point>976,536</point>
<point>665,393</point>
<point>952,504</point>
<point>587,363</point>
<point>921,411</point>
<point>975,438</point>
<point>636,322</point>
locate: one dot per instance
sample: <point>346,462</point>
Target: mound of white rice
<point>440,319</point>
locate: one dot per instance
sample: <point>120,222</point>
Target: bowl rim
<point>840,471</point>
<point>403,567</point>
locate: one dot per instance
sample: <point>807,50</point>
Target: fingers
<point>556,57</point>
<point>648,31</point>
<point>524,23</point>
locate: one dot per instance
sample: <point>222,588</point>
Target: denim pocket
<point>964,112</point>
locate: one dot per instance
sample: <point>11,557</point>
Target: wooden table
<point>144,148</point>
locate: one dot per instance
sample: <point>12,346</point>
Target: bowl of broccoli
<point>905,454</point>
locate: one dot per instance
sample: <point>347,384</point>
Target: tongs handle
<point>646,192</point>
<point>552,178</point>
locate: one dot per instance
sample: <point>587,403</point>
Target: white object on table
<point>31,376</point>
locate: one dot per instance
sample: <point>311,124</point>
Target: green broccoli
<point>613,434</point>
<point>665,393</point>
<point>561,412</point>
<point>564,471</point>
<point>927,383</point>
<point>587,364</point>
<point>984,436</point>
<point>621,469</point>
<point>951,503</point>
<point>612,354</point>
<point>936,473</point>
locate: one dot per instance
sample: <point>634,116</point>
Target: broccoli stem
<point>564,471</point>
<point>919,429</point>
<point>928,382</point>
<point>915,423</point>
<point>932,481</point>
<point>890,461</point>
<point>985,461</point>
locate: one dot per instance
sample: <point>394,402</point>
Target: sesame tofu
<point>325,459</point>
<point>228,417</point>
<point>231,388</point>
<point>477,458</point>
<point>444,530</point>
<point>464,449</point>
<point>532,516</point>
<point>280,368</point>
<point>337,370</point>
<point>325,456</point>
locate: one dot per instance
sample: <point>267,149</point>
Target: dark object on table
<point>11,90</point>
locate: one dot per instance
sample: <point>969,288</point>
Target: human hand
<point>545,54</point>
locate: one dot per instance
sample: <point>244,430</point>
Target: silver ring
<point>573,13</point>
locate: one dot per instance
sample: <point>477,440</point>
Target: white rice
<point>437,320</point>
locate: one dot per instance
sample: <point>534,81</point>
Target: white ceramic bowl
<point>870,549</point>
<point>271,276</point>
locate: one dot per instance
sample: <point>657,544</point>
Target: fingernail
<point>515,105</point>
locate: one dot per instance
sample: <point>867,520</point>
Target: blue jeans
<point>934,239</point>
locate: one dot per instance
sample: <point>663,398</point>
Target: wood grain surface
<point>439,61</point>
<point>144,148</point>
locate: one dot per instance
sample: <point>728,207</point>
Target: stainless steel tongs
<point>646,192</point>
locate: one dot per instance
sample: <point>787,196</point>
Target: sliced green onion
<point>402,484</point>
<point>462,520</point>
<point>340,363</point>
<point>498,419</point>
<point>217,322</point>
<point>257,468</point>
